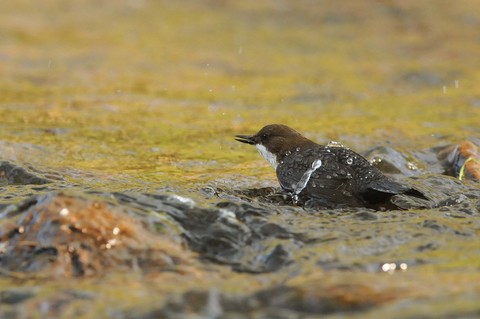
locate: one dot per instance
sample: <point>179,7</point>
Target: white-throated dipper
<point>329,175</point>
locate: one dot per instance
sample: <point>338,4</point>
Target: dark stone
<point>236,234</point>
<point>73,236</point>
<point>276,302</point>
<point>429,246</point>
<point>11,174</point>
<point>432,224</point>
<point>390,161</point>
<point>366,216</point>
<point>12,297</point>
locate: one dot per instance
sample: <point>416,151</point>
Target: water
<point>137,97</point>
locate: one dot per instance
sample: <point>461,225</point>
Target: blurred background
<point>151,92</point>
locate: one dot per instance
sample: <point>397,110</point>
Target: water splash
<point>302,183</point>
<point>335,144</point>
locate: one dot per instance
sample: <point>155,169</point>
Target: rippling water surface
<point>116,100</point>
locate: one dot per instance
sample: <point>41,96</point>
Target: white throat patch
<point>270,157</point>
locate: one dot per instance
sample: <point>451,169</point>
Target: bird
<point>328,176</point>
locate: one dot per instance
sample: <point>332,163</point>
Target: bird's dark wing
<point>343,178</point>
<point>383,188</point>
<point>372,186</point>
<point>331,183</point>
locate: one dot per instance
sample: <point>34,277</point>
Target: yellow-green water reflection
<point>147,94</point>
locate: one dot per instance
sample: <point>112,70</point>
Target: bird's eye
<point>264,135</point>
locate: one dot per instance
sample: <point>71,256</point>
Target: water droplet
<point>316,164</point>
<point>328,177</point>
<point>297,149</point>
<point>412,166</point>
<point>347,193</point>
<point>295,198</point>
<point>349,161</point>
<point>287,153</point>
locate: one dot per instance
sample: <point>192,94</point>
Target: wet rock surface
<point>277,302</point>
<point>128,110</point>
<point>194,252</point>
<point>240,235</point>
<point>63,235</point>
<point>390,161</point>
<point>11,174</point>
<point>461,161</point>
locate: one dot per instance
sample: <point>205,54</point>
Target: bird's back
<point>335,176</point>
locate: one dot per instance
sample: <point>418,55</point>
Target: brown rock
<point>66,235</point>
<point>472,162</point>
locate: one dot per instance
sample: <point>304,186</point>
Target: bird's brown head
<point>274,141</point>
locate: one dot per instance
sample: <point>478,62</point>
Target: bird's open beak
<point>245,139</point>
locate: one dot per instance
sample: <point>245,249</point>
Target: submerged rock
<point>390,161</point>
<point>419,79</point>
<point>282,301</point>
<point>65,235</point>
<point>78,235</point>
<point>236,234</point>
<point>14,296</point>
<point>461,161</point>
<point>11,174</point>
<point>81,235</point>
<point>266,194</point>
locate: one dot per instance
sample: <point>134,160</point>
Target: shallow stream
<point>123,193</point>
